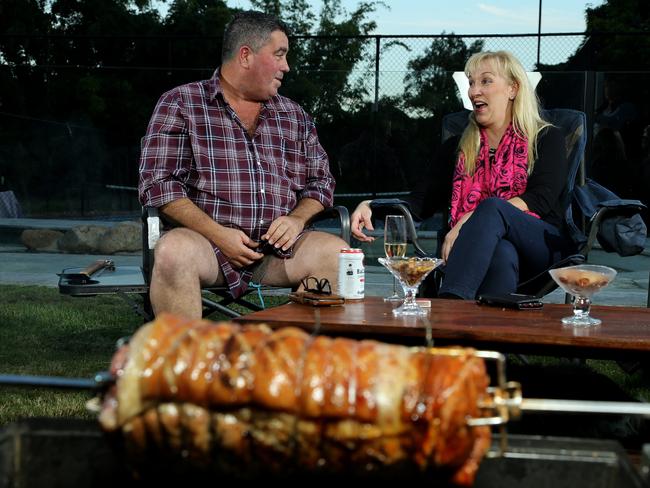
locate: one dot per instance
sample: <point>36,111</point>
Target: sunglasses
<point>314,285</point>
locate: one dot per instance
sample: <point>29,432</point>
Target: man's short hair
<point>249,28</point>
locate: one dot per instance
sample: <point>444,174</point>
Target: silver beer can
<point>352,278</point>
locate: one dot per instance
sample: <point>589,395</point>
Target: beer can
<point>351,279</point>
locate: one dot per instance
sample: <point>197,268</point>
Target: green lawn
<point>45,333</point>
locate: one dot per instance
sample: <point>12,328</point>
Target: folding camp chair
<point>584,227</point>
<point>127,281</point>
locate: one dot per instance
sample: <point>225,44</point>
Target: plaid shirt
<point>196,147</point>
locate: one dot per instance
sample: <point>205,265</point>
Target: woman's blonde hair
<point>526,119</point>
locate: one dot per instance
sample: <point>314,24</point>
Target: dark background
<point>79,80</point>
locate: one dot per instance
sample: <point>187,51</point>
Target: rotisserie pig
<point>246,397</point>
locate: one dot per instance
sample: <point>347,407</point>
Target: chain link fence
<point>70,128</point>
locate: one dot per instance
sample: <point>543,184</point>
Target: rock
<point>124,237</point>
<point>82,239</point>
<point>41,239</point>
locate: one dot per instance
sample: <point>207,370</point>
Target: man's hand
<point>362,217</point>
<point>237,247</point>
<point>451,236</point>
<point>283,231</point>
<point>233,243</point>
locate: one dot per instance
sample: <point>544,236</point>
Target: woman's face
<point>491,96</point>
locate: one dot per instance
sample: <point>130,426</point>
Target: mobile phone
<point>511,300</point>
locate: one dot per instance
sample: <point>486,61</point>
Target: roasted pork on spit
<point>246,397</point>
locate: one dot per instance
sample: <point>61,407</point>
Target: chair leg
<point>648,300</point>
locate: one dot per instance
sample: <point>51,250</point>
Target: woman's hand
<point>451,236</point>
<point>362,218</point>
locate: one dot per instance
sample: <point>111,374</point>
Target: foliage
<point>321,66</point>
<point>79,79</point>
<point>428,84</point>
<point>603,52</point>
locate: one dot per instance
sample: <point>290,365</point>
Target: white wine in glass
<point>394,245</point>
<point>395,250</point>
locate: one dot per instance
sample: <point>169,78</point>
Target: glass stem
<point>581,306</point>
<point>409,296</point>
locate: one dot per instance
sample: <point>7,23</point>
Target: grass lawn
<point>45,333</point>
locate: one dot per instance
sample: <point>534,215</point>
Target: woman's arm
<point>546,188</point>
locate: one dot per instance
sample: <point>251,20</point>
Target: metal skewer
<point>98,382</point>
<point>584,406</point>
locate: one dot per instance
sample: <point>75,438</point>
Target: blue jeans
<point>498,247</point>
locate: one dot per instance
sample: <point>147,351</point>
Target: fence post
<point>589,106</point>
<point>375,116</point>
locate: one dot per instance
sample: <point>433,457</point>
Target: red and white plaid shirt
<point>196,147</point>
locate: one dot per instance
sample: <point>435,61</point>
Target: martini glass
<point>582,282</point>
<point>410,272</point>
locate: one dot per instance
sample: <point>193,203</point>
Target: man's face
<point>268,66</point>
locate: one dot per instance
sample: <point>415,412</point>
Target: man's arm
<point>319,182</point>
<point>283,231</point>
<point>233,243</point>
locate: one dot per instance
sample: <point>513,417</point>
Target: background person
<point>235,165</point>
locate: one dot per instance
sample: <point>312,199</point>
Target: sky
<point>430,17</point>
<point>472,16</point>
<point>425,17</point>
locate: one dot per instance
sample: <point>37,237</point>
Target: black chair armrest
<point>337,212</point>
<point>400,207</point>
<point>607,209</point>
<point>623,205</point>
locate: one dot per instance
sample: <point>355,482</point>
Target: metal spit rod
<point>584,406</point>
<point>506,400</point>
<point>98,382</point>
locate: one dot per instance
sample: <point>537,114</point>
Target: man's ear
<point>245,53</point>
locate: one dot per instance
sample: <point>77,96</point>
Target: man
<point>240,171</point>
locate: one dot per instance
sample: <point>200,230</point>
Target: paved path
<point>18,266</point>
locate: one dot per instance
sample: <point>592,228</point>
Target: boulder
<point>83,239</point>
<point>123,237</point>
<point>41,239</point>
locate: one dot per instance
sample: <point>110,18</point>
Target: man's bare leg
<point>315,254</point>
<point>184,260</point>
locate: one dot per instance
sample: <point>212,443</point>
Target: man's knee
<point>174,252</point>
<point>328,246</point>
<point>320,251</point>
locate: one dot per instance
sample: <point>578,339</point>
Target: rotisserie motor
<point>247,397</point>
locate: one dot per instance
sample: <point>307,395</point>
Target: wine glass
<point>582,281</point>
<point>394,245</point>
<point>410,272</point>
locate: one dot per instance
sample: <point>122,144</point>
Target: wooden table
<point>625,331</point>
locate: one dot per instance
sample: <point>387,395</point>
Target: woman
<point>508,190</point>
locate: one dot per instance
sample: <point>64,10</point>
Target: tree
<point>608,45</point>
<point>430,89</point>
<point>321,66</point>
